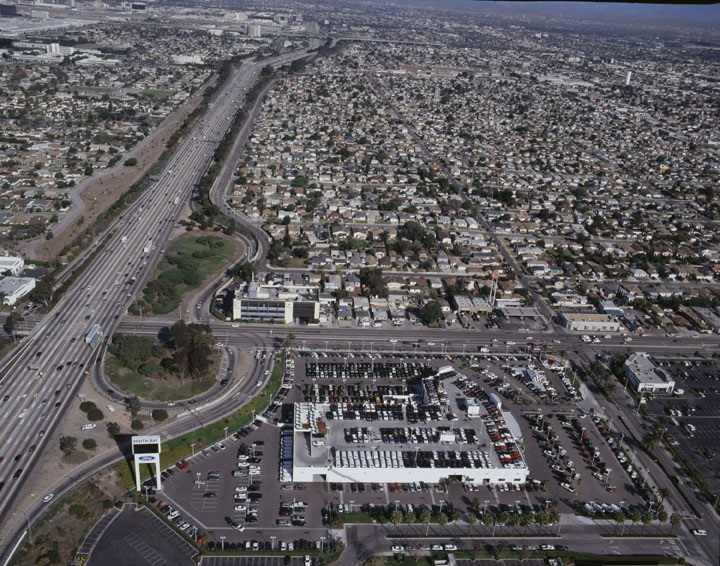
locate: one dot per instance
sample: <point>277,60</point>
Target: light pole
<point>222,542</point>
<point>30,537</point>
<point>226,429</point>
<point>192,447</point>
<point>326,343</point>
<point>322,546</point>
<point>272,542</point>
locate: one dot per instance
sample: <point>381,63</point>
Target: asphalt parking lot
<point>139,537</point>
<point>220,505</point>
<point>693,418</point>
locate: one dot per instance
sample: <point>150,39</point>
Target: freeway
<point>40,376</point>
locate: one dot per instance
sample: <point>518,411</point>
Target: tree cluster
<point>186,354</point>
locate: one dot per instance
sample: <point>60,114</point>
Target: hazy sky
<point>647,13</point>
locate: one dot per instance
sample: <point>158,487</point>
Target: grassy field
<point>156,389</point>
<point>186,265</point>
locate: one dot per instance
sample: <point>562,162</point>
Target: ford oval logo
<point>146,458</point>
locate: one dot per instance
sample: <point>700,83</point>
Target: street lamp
<point>30,537</point>
<point>272,542</point>
<point>192,447</point>
<point>225,429</point>
<point>322,546</point>
<point>222,542</point>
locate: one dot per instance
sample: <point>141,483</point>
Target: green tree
<point>68,444</point>
<point>431,312</point>
<point>95,414</point>
<point>396,517</point>
<point>134,406</point>
<point>373,283</point>
<point>675,520</point>
<point>159,415</point>
<point>113,428</point>
<point>137,424</point>
<point>89,444</point>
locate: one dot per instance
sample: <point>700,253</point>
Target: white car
<point>699,532</point>
<point>88,426</point>
<point>240,508</point>
<point>48,497</point>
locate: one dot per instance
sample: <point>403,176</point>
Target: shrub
<point>89,444</point>
<point>87,406</point>
<point>137,424</point>
<point>159,415</point>
<point>78,511</point>
<point>95,415</point>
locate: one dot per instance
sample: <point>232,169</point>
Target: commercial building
<point>11,265</point>
<point>643,375</point>
<point>590,322</point>
<point>276,304</point>
<point>15,288</point>
<point>405,432</point>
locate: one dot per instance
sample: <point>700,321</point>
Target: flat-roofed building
<point>404,431</point>
<point>590,322</point>
<point>644,375</point>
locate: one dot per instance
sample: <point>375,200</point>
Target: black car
<point>6,398</point>
<point>17,473</point>
<point>17,458</point>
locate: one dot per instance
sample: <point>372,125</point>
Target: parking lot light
<point>272,542</point>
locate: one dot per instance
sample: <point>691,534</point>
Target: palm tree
<point>662,517</point>
<point>396,517</point>
<point>471,519</point>
<point>289,341</point>
<point>635,516</point>
<point>425,517</point>
<point>663,492</point>
<point>646,518</point>
<point>675,520</point>
<point>619,518</point>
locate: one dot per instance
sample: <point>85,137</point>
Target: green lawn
<point>186,265</point>
<point>156,389</point>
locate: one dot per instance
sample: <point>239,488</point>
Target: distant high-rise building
<point>628,76</point>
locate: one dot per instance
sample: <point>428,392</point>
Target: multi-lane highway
<point>41,374</point>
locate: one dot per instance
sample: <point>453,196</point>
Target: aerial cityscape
<point>359,283</point>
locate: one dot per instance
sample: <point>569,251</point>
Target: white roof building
<point>644,375</point>
<point>11,265</point>
<point>15,288</point>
